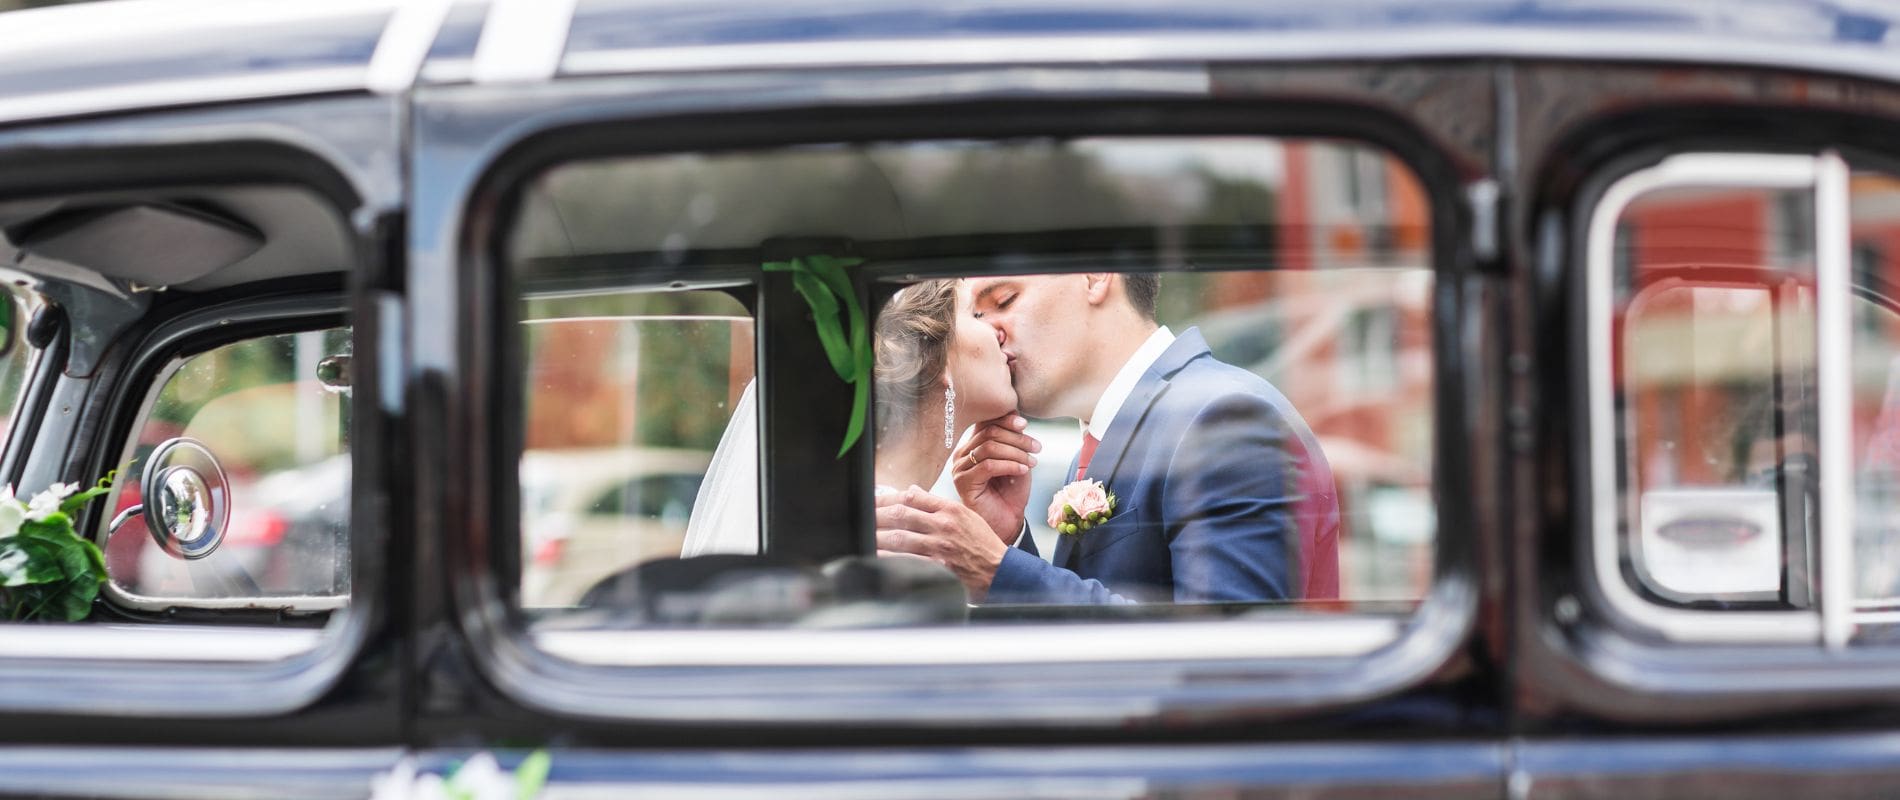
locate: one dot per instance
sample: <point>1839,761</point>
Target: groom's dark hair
<point>1142,288</point>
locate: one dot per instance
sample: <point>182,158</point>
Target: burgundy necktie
<point>1088,451</point>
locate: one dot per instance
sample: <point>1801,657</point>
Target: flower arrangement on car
<point>47,570</point>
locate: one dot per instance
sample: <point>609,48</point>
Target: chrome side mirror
<point>185,499</point>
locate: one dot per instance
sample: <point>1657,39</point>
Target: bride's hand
<point>917,522</point>
<point>991,473</point>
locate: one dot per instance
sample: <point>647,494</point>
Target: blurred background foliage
<point>249,402</point>
<point>634,369</point>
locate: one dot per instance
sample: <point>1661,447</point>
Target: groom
<point>1222,491</point>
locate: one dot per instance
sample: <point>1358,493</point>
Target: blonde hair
<point>912,348</point>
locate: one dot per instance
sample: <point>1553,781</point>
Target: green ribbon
<point>822,282</point>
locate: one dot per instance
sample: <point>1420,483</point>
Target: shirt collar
<point>1124,383</point>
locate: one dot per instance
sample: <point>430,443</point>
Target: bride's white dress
<point>726,511</point>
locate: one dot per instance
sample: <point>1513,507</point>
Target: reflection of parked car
<point>288,535</point>
<point>589,513</point>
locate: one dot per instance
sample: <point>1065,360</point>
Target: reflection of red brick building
<point>577,397</point>
<point>1353,349</point>
<point>1721,297</point>
<point>583,381</point>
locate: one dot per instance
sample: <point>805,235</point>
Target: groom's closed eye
<point>993,298</point>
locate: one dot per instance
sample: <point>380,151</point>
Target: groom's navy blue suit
<point>1223,495</point>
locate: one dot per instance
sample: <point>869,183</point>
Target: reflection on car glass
<point>1254,434</point>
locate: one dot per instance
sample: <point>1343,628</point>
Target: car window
<point>264,422</point>
<point>626,396</point>
<point>1290,458</point>
<point>1719,396</point>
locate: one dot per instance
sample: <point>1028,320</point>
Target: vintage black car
<point>413,329</point>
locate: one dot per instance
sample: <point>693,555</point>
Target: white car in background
<point>588,513</point>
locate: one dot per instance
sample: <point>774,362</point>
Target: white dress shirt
<point>1124,383</point>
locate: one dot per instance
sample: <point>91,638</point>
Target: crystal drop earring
<point>949,414</point>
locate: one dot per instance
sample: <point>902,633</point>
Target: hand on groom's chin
<point>917,522</point>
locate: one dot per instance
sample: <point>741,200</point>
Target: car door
<point>205,258</point>
<point>601,288</point>
<point>1710,594</point>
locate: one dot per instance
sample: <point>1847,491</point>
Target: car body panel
<point>1500,694</point>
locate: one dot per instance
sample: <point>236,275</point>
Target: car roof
<point>127,54</point>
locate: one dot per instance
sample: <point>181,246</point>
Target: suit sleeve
<point>1024,541</point>
<point>1024,577</point>
<point>1229,503</point>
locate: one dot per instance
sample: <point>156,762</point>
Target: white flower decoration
<point>46,503</point>
<point>479,778</point>
<point>12,512</point>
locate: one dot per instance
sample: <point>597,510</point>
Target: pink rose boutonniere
<point>1080,506</point>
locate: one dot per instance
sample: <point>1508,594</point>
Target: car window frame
<point>498,133</point>
<point>1741,170</point>
<point>342,151</point>
<point>1567,628</point>
<point>159,358</point>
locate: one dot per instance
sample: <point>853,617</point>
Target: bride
<point>939,370</point>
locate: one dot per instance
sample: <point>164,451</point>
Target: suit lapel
<point>1134,411</point>
<point>1129,420</point>
<point>1065,544</point>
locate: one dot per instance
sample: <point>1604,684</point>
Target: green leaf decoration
<point>532,774</point>
<point>80,498</point>
<point>96,557</point>
<point>822,281</point>
<point>49,572</point>
<point>28,561</point>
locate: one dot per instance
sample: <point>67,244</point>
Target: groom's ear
<point>1098,286</point>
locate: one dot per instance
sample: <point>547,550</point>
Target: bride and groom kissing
<point>1221,492</point>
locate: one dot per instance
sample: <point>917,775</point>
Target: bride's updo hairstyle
<point>912,345</point>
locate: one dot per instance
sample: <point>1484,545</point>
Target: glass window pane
<point>278,440</point>
<point>627,396</point>
<point>1715,366</point>
<point>1299,268</point>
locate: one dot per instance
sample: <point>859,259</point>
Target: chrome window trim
<point>1750,170</point>
<point>155,94</point>
<point>1834,339</point>
<point>1316,636</point>
<point>405,44</point>
<point>1451,41</point>
<point>169,643</point>
<point>522,41</point>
